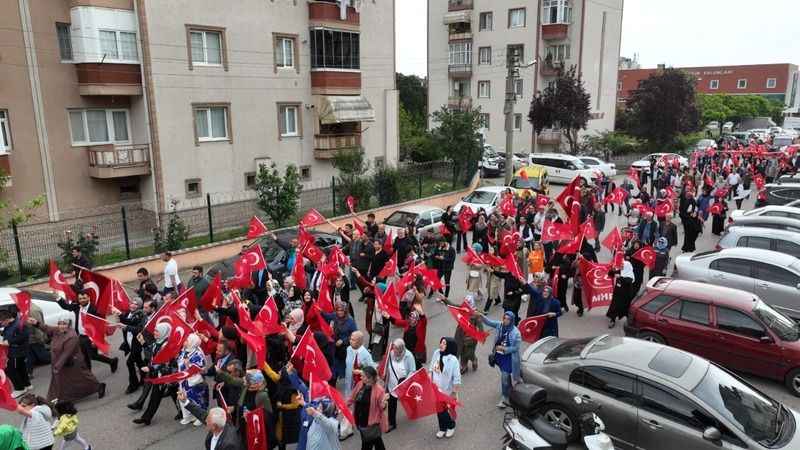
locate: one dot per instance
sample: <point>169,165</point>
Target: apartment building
<point>157,103</point>
<point>469,42</point>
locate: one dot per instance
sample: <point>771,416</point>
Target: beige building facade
<point>468,44</point>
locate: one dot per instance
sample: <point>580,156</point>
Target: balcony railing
<point>116,161</point>
<point>328,11</point>
<point>554,31</point>
<point>460,70</point>
<point>460,36</point>
<point>109,79</point>
<point>550,68</point>
<point>549,137</point>
<point>459,103</point>
<point>458,5</point>
<point>327,146</point>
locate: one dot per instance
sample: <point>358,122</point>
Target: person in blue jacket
<point>319,426</point>
<point>541,303</point>
<point>506,352</point>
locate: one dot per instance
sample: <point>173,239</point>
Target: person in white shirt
<point>733,182</point>
<point>399,366</point>
<point>445,370</point>
<point>172,281</point>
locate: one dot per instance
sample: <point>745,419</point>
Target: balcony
<point>467,36</point>
<point>549,137</point>
<point>118,161</point>
<point>554,31</point>
<point>109,79</point>
<point>460,70</point>
<point>459,103</point>
<point>322,12</point>
<point>335,82</point>
<point>459,5</point>
<point>327,146</point>
<point>550,68</point>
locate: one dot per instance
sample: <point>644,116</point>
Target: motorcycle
<point>526,429</point>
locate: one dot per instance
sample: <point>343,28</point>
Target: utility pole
<point>512,63</point>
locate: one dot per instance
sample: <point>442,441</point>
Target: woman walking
<point>621,300</point>
<point>446,375</point>
<point>399,366</point>
<point>369,400</point>
<point>195,387</point>
<point>506,352</point>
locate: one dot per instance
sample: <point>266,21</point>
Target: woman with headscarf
<point>467,344</point>
<point>543,303</point>
<point>718,217</point>
<point>254,396</point>
<point>446,375</point>
<point>621,300</point>
<point>693,227</point>
<point>415,330</point>
<point>662,258</point>
<point>11,439</point>
<point>71,380</point>
<point>343,326</point>
<point>295,324</point>
<point>506,353</point>
<point>638,266</point>
<point>151,370</point>
<point>400,364</point>
<point>195,387</point>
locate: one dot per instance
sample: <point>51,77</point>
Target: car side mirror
<point>798,286</point>
<point>712,434</point>
<point>765,339</point>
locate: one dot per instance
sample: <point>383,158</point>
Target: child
<point>67,426</point>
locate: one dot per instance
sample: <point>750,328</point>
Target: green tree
<point>177,233</point>
<point>352,180</point>
<point>11,213</point>
<point>735,108</point>
<point>456,136</point>
<point>564,105</point>
<point>610,143</point>
<point>413,92</point>
<point>663,107</point>
<point>278,196</point>
<point>415,141</point>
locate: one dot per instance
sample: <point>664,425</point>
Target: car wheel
<point>652,337</point>
<point>563,418</point>
<point>793,382</point>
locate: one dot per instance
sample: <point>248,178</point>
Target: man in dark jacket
<point>402,245</point>
<point>361,252</point>
<point>87,348</point>
<point>16,337</point>
<point>221,434</point>
<point>444,259</point>
<point>143,276</point>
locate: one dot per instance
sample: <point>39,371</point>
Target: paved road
<point>107,423</point>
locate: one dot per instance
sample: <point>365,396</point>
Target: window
<point>516,18</point>
<point>741,83</point>
<point>672,406</point>
<point>460,53</point>
<point>99,126</point>
<point>485,55</point>
<point>250,180</point>
<point>64,41</point>
<point>518,122</point>
<point>713,84</point>
<point>486,21</point>
<point>517,50</point>
<point>695,312</point>
<point>5,132</point>
<point>484,119</point>
<point>207,47</point>
<point>211,123</point>
<point>193,188</point>
<point>608,382</point>
<point>556,11</point>
<point>790,248</point>
<point>518,87</point>
<point>619,86</point>
<point>118,45</point>
<point>771,83</point>
<point>755,242</point>
<point>335,49</point>
<point>305,173</point>
<point>285,47</point>
<point>775,274</point>
<point>673,312</point>
<point>289,120</point>
<point>557,52</point>
<point>459,88</point>
<point>657,303</point>
<point>739,323</point>
<point>733,266</point>
<point>484,89</point>
<point>380,162</point>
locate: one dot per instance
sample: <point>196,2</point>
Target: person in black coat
<point>513,289</point>
<point>692,228</point>
<point>444,258</point>
<point>152,370</point>
<point>378,261</point>
<point>638,267</point>
<point>402,245</point>
<point>134,321</point>
<point>16,337</point>
<point>87,348</point>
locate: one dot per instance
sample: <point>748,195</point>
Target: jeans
<point>505,384</point>
<point>445,421</point>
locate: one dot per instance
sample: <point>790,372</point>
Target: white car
<point>644,163</point>
<point>487,197</point>
<point>760,133</point>
<point>768,211</point>
<point>44,300</point>
<point>608,169</point>
<point>562,168</point>
<point>423,217</point>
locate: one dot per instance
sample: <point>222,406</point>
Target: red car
<point>733,328</point>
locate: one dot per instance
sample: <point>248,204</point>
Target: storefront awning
<point>464,16</point>
<point>339,109</point>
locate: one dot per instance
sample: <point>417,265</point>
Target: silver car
<point>789,212</point>
<point>776,223</point>
<point>781,241</point>
<point>654,397</point>
<point>773,276</point>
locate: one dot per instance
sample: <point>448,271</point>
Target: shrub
<point>87,242</point>
<point>352,180</point>
<point>387,182</point>
<point>177,234</point>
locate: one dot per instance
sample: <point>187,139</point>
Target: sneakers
<point>449,433</point>
<point>197,423</point>
<point>186,421</point>
<point>501,404</point>
<point>440,434</point>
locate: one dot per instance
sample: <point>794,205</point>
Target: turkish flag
<point>242,312</point>
<point>96,329</point>
<point>187,301</point>
<point>119,297</point>
<point>759,180</point>
<point>330,268</point>
<point>542,201</point>
<point>443,230</point>
<point>567,196</point>
<point>715,209</point>
<point>465,216</point>
<point>647,255</point>
<point>7,402</point>
<point>299,272</point>
<point>670,192</point>
<point>338,255</point>
<point>256,228</point>
<point>554,280</point>
<point>384,361</point>
<point>308,355</point>
<point>664,208</point>
<point>598,286</point>
<point>613,240</point>
<point>588,230</point>
<point>23,301</point>
<point>253,258</point>
<point>324,300</point>
<point>313,253</point>
<point>359,225</point>
<point>417,394</point>
<point>388,244</point>
<point>316,322</point>
<point>617,196</point>
<point>312,218</point>
<point>59,283</point>
<point>643,209</point>
<point>462,319</point>
<point>575,217</point>
<point>241,276</point>
<point>507,207</point>
<point>446,402</point>
<point>571,247</point>
<point>388,303</point>
<point>633,174</point>
<point>213,294</point>
<point>98,287</point>
<point>471,258</point>
<point>268,320</point>
<point>513,266</point>
<point>619,260</point>
<point>531,328</point>
<point>323,389</point>
<point>179,332</point>
<point>351,203</point>
<point>431,278</point>
<point>256,429</point>
<point>390,268</point>
<point>304,238</point>
<point>255,343</point>
<point>555,231</point>
<point>509,242</point>
<point>3,356</point>
<point>176,377</point>
<point>493,260</point>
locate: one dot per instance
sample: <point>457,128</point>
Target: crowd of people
<point>218,376</point>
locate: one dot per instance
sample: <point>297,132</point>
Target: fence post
<point>210,219</point>
<point>455,176</point>
<point>125,234</point>
<point>333,193</point>
<point>17,247</point>
<point>419,184</point>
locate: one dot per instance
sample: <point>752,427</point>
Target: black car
<point>276,252</point>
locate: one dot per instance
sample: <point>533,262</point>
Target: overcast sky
<point>674,32</point>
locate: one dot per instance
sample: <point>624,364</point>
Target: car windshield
<point>786,328</point>
<point>750,411</point>
<point>589,161</point>
<point>480,197</point>
<point>530,183</point>
<point>579,164</point>
<point>569,349</point>
<point>400,219</point>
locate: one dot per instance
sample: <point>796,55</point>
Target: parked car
<point>773,276</point>
<point>521,160</point>
<point>563,168</point>
<point>791,178</point>
<point>644,163</point>
<point>781,241</point>
<point>712,126</point>
<point>655,397</point>
<point>703,144</point>
<point>759,133</point>
<point>422,216</point>
<point>44,300</point>
<point>727,127</point>
<point>782,193</point>
<point>535,182</point>
<point>782,140</point>
<point>492,164</point>
<point>487,197</point>
<point>276,252</point>
<point>768,211</point>
<point>730,327</point>
<point>608,169</point>
<point>775,223</point>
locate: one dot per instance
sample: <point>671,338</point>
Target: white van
<point>563,168</point>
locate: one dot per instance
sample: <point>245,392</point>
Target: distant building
<point>773,81</point>
<point>629,63</point>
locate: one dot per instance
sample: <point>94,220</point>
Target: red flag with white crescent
<point>323,389</point>
<point>255,343</point>
<point>256,429</point>
<point>241,278</point>
<point>472,258</point>
<point>388,303</point>
<point>465,216</point>
<point>359,225</point>
<point>177,336</point>
<point>7,401</point>
<point>542,201</point>
<point>253,258</point>
<point>598,285</point>
<point>313,253</point>
<point>388,244</point>
<point>507,207</point>
<point>509,242</point>
<point>617,196</point>
<point>664,208</point>
<point>463,321</point>
<point>588,230</point>
<point>613,240</point>
<point>96,329</point>
<point>256,228</point>
<point>98,287</point>
<point>312,218</point>
<point>647,255</point>
<point>417,394</point>
<point>213,294</point>
<point>23,302</point>
<point>531,328</point>
<point>308,355</point>
<point>119,297</point>
<point>351,203</point>
<point>555,231</point>
<point>568,195</point>
<point>619,260</point>
<point>176,377</point>
<point>571,247</point>
<point>299,272</point>
<point>268,321</point>
<point>324,300</point>
<point>59,283</point>
<point>513,266</point>
<point>390,268</point>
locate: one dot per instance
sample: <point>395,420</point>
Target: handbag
<point>371,433</point>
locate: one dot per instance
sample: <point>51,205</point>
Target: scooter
<point>526,429</point>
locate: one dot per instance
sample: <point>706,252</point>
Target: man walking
<point>87,348</point>
<point>172,282</point>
